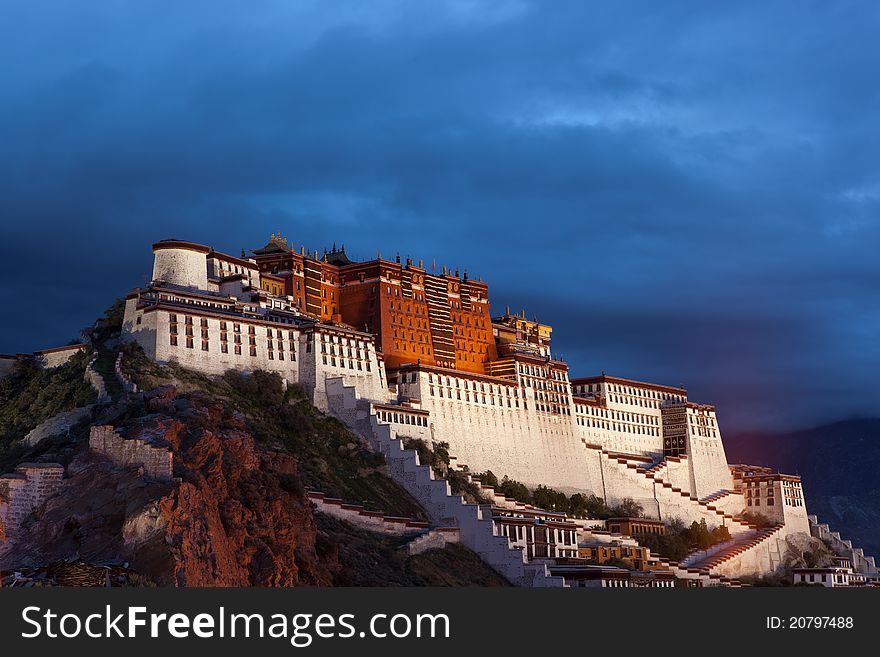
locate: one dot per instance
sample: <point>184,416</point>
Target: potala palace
<point>393,349</point>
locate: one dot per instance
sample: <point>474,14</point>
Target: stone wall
<point>54,357</point>
<point>436,539</point>
<point>96,380</point>
<point>358,516</point>
<point>512,439</point>
<point>708,463</point>
<point>760,555</point>
<point>861,562</point>
<point>157,462</point>
<point>46,359</point>
<point>124,380</point>
<point>23,491</point>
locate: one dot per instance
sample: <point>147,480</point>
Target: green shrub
<point>30,395</point>
<point>757,518</point>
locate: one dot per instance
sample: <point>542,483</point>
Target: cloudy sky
<point>688,192</point>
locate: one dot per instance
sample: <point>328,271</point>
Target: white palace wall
<point>308,357</point>
<point>708,465</point>
<point>491,429</point>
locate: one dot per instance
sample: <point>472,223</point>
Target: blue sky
<point>687,191</point>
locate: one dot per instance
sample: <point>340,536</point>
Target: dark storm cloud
<point>688,194</point>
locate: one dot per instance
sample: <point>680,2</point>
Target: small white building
<point>832,576</point>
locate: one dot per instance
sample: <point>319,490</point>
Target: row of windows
<point>543,384</point>
<point>338,339</point>
<point>612,414</point>
<point>227,268</point>
<point>705,420</point>
<point>635,401</point>
<point>343,362</point>
<point>615,426</point>
<point>412,347</point>
<point>467,384</point>
<point>403,418</point>
<point>479,398</point>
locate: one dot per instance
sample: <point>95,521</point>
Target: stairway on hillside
<point>861,562</point>
<point>105,365</point>
<point>705,561</point>
<point>664,489</point>
<point>476,528</point>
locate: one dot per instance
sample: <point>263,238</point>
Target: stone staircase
<point>96,379</point>
<point>103,364</point>
<point>476,529</point>
<point>124,380</point>
<point>706,579</point>
<point>860,561</point>
<point>359,516</point>
<point>718,495</point>
<point>665,492</point>
<point>436,538</point>
<point>706,561</point>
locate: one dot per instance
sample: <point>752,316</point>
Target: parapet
<point>157,462</point>
<point>22,491</point>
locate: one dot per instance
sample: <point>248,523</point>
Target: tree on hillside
<point>629,508</point>
<point>488,478</point>
<point>515,490</point>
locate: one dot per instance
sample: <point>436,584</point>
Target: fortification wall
<point>532,447</point>
<point>476,528</point>
<point>157,462</point>
<point>24,491</point>
<point>708,463</point>
<point>731,502</point>
<point>49,358</point>
<point>358,516</point>
<point>46,359</point>
<point>678,473</point>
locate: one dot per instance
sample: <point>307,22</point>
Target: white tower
<point>180,264</point>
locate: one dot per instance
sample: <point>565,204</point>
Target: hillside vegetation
<point>31,395</point>
<point>331,458</point>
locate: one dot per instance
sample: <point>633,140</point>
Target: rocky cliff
<point>234,512</point>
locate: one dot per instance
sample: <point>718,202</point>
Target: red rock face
<point>235,514</point>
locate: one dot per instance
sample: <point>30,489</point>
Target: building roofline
<point>435,369</point>
<point>604,378</point>
<point>68,347</point>
<point>181,244</point>
<point>250,264</point>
